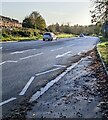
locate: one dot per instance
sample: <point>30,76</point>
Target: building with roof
<point>6,22</point>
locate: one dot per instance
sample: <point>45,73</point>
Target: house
<point>6,22</point>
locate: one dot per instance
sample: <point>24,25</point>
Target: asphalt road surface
<point>27,66</point>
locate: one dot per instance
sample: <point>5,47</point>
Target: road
<point>27,66</point>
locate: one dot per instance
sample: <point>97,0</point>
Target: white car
<point>49,36</point>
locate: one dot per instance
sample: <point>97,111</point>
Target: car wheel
<point>43,39</point>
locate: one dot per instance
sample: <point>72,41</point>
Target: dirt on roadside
<point>102,83</point>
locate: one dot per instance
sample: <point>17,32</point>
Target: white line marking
<point>0,47</point>
<point>31,56</point>
<point>84,51</point>
<point>57,49</point>
<point>59,65</point>
<point>43,90</point>
<point>9,61</point>
<point>70,45</point>
<point>51,83</point>
<point>2,62</point>
<point>63,54</point>
<point>9,100</point>
<point>18,52</point>
<point>12,61</point>
<point>79,53</point>
<point>27,85</point>
<point>38,74</point>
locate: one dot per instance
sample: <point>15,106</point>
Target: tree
<point>57,27</point>
<point>52,28</point>
<point>100,12</point>
<point>34,20</point>
<point>67,29</point>
<point>27,23</point>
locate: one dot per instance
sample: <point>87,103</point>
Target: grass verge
<point>103,48</point>
<point>38,37</point>
<point>11,38</point>
<point>65,35</point>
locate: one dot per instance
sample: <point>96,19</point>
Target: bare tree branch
<point>100,12</point>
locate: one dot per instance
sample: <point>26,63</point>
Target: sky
<point>72,12</point>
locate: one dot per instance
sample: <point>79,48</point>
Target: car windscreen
<point>47,34</point>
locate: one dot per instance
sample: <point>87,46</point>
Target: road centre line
<point>57,49</point>
<point>63,54</point>
<point>18,52</point>
<point>31,56</point>
<point>62,47</point>
<point>7,101</point>
<point>38,74</point>
<point>27,85</point>
<point>69,45</point>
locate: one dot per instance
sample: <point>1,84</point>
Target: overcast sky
<point>62,12</point>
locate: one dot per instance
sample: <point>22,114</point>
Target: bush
<point>5,35</point>
<point>103,39</point>
<point>106,35</point>
<point>20,34</point>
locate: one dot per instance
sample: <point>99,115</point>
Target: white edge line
<point>2,62</point>
<point>59,65</point>
<point>79,53</point>
<point>12,61</point>
<point>38,74</point>
<point>26,86</point>
<point>9,61</point>
<point>51,83</point>
<point>9,100</point>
